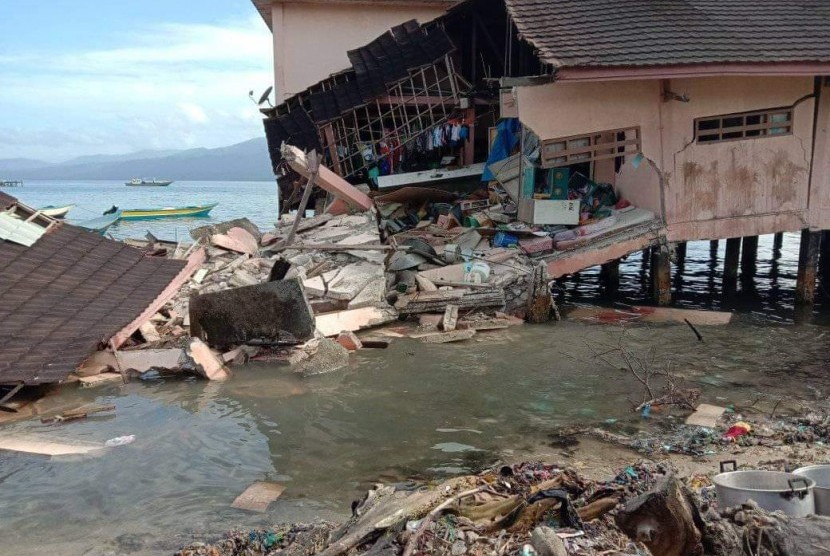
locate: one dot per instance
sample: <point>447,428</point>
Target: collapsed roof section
<point>66,295</point>
<point>378,69</point>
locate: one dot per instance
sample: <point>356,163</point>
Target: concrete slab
<point>352,279</point>
<point>331,324</point>
<point>371,295</point>
<point>318,286</point>
<point>273,310</point>
<point>706,415</point>
<point>258,496</point>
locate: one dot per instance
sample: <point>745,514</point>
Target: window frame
<point>763,128</point>
<point>593,151</point>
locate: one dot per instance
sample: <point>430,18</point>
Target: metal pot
<point>771,490</point>
<point>821,475</point>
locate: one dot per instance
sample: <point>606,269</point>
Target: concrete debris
<point>236,239</point>
<point>258,496</point>
<point>349,341</point>
<point>99,379</point>
<point>149,332</point>
<point>208,364</point>
<point>44,447</point>
<point>204,232</point>
<point>144,360</point>
<point>324,356</point>
<point>706,415</point>
<point>276,311</point>
<point>371,295</point>
<point>331,324</point>
<point>450,319</point>
<point>446,337</point>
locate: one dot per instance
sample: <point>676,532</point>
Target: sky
<point>85,77</point>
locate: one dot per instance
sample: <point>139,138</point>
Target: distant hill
<point>246,161</point>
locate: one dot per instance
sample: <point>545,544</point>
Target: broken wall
<point>311,40</point>
<point>565,109</point>
<point>711,190</point>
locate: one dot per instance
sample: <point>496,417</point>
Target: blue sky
<point>115,76</point>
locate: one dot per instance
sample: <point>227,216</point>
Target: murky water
<point>414,410</point>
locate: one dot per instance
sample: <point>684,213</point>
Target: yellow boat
<point>167,212</point>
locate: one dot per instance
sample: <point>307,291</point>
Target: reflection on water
<point>414,410</point>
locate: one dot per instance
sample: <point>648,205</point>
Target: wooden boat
<point>101,224</point>
<point>138,182</point>
<point>55,212</point>
<point>167,212</point>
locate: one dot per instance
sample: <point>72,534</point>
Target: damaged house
<point>601,128</point>
<point>66,292</point>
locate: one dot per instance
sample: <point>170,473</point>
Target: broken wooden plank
<point>434,302</point>
<point>149,332</point>
<point>146,359</point>
<point>258,496</point>
<point>238,240</point>
<point>326,179</point>
<point>80,413</point>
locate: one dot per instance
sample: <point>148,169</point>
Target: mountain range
<point>246,161</point>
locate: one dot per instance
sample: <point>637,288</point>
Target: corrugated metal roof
<point>19,231</point>
<point>66,295</point>
<point>607,33</point>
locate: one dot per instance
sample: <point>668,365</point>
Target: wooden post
<point>730,264</point>
<point>681,253</point>
<point>713,246</point>
<point>778,241</point>
<point>470,145</point>
<point>749,254</point>
<point>805,285</point>
<point>824,265</point>
<point>661,275</point>
<point>313,168</point>
<point>610,274</point>
<point>539,302</point>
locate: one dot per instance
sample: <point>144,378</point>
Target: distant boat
<point>148,183</point>
<point>101,224</point>
<point>10,183</point>
<point>56,212</point>
<point>166,212</point>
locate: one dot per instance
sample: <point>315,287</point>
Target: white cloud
<point>169,86</point>
<point>193,112</point>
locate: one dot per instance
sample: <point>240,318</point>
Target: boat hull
<point>182,212</point>
<point>101,224</point>
<point>56,212</point>
<point>149,184</point>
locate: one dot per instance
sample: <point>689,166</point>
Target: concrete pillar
<point>610,275</point>
<point>661,275</point>
<point>730,264</point>
<point>749,254</point>
<point>805,285</point>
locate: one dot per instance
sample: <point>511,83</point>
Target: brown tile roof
<point>605,33</point>
<point>6,200</point>
<point>67,294</point>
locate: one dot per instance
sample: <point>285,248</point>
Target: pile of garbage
<point>529,508</point>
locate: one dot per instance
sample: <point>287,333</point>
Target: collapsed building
<point>598,135</point>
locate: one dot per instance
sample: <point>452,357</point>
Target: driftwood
<point>663,520</point>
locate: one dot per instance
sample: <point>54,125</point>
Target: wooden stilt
<point>824,265</point>
<point>805,285</point>
<point>730,264</point>
<point>778,241</point>
<point>681,253</point>
<point>661,275</point>
<point>749,254</point>
<point>713,247</point>
<point>611,277</point>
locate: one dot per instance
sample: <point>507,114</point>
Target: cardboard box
<point>538,211</point>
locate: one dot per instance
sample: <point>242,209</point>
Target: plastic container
<point>476,272</point>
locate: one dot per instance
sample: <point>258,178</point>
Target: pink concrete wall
<point>708,191</point>
<point>311,39</point>
<point>720,183</point>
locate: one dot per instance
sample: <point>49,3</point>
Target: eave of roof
<point>680,71</point>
